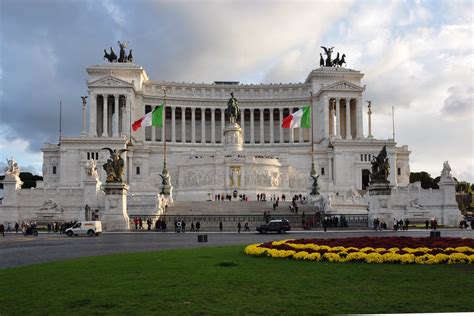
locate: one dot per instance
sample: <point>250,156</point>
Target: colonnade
<point>109,116</point>
<point>344,117</point>
<point>206,125</point>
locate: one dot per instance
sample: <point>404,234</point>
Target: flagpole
<point>165,171</point>
<point>60,118</point>
<point>313,171</point>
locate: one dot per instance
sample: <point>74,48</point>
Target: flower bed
<point>370,250</point>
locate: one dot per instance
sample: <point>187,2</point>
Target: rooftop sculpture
<point>337,62</point>
<point>114,166</point>
<point>123,57</point>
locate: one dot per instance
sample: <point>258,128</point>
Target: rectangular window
<point>322,171</point>
<point>399,171</point>
<point>361,157</point>
<point>88,156</point>
<point>96,156</point>
<point>54,169</point>
<point>138,170</point>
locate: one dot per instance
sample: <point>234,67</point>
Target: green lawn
<point>195,282</point>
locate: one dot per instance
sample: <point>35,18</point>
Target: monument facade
<point>221,138</point>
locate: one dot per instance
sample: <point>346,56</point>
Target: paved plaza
<point>18,250</point>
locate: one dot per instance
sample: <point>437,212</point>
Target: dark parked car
<point>277,225</point>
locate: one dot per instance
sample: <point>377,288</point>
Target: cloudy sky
<point>416,55</point>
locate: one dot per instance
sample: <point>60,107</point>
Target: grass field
<point>225,281</point>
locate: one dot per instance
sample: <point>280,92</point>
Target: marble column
<point>154,129</point>
<point>272,127</point>
<point>252,138</point>
<point>280,111</point>
<point>348,118</point>
<point>183,125</point>
<point>124,120</point>
<point>262,133</point>
<point>84,118</point>
<point>93,115</point>
<point>105,106</point>
<point>222,125</point>
<point>369,113</point>
<point>326,121</point>
<point>300,133</point>
<point>242,125</point>
<point>359,122</point>
<point>203,125</point>
<point>173,124</point>
<point>115,131</point>
<point>193,125</point>
<point>291,130</point>
<point>338,118</point>
<point>213,125</point>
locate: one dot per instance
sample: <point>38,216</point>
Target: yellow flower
<point>391,257</point>
<point>374,258</point>
<point>464,249</point>
<point>302,255</point>
<point>425,259</point>
<point>441,258</point>
<point>356,256</point>
<point>407,258</point>
<point>366,249</point>
<point>458,258</point>
<point>332,257</point>
<point>255,250</point>
<point>316,256</point>
<point>394,249</point>
<point>380,249</point>
<point>471,259</point>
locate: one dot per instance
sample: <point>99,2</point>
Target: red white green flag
<point>301,118</point>
<point>154,118</point>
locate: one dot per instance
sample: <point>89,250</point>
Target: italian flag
<point>154,118</point>
<point>301,118</point>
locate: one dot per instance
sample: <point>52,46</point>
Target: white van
<point>89,228</point>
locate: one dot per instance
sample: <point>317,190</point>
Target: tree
<point>425,178</point>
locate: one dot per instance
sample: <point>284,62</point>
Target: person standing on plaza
<point>2,230</point>
<point>192,226</point>
<point>183,226</point>
<point>9,228</point>
<point>198,226</point>
<point>220,226</point>
<point>16,227</point>
<point>246,225</point>
<point>239,227</point>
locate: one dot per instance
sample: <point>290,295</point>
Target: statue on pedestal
<point>446,172</point>
<point>315,189</point>
<point>380,167</point>
<point>12,168</point>
<point>232,110</point>
<point>115,165</point>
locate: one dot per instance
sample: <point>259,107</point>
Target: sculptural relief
<point>91,168</point>
<point>51,205</point>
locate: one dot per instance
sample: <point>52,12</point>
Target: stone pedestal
<point>115,216</point>
<point>167,191</point>
<point>379,204</point>
<point>233,140</point>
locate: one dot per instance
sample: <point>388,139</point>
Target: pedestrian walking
<point>198,226</point>
<point>192,226</point>
<point>239,226</point>
<point>16,227</point>
<point>220,226</point>
<point>246,225</point>
<point>9,228</point>
<point>2,230</point>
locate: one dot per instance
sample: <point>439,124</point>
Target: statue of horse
<point>342,60</point>
<point>232,110</point>
<point>111,57</point>
<point>335,62</point>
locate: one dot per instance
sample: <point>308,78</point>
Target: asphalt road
<point>18,250</point>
